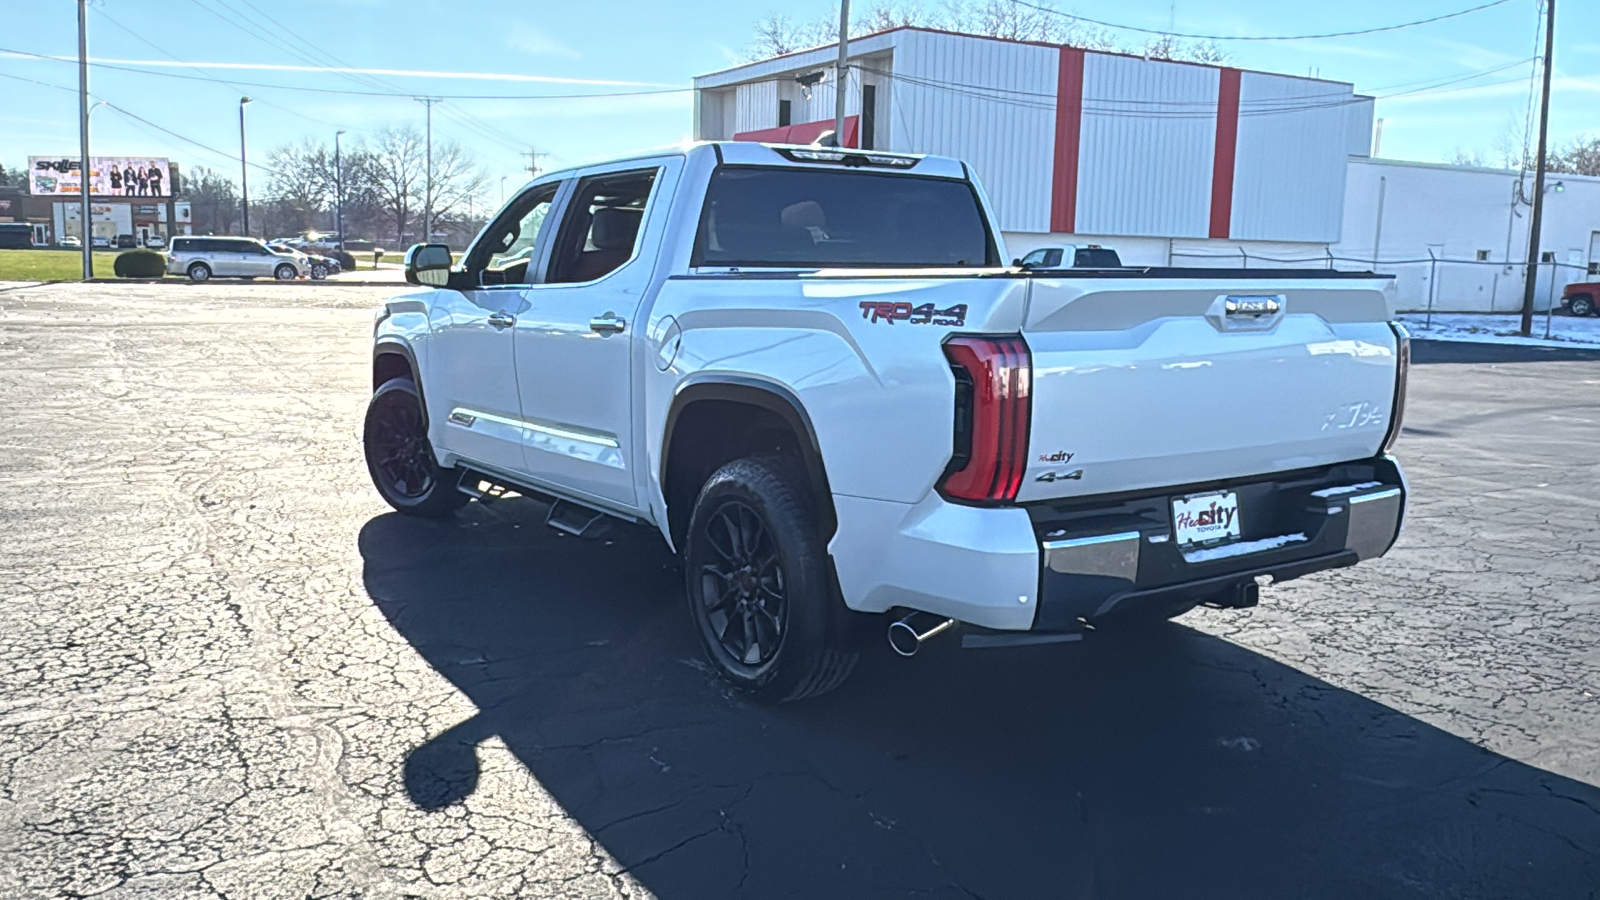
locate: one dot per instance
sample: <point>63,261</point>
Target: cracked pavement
<point>226,670</point>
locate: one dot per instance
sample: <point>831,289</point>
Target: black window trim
<point>697,254</point>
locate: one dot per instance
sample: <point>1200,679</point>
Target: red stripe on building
<point>1226,149</point>
<point>1069,130</point>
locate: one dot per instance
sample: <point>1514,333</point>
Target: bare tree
<point>1579,157</point>
<point>1461,156</point>
<point>458,183</point>
<point>301,182</point>
<point>394,164</point>
<point>778,35</point>
<point>213,200</point>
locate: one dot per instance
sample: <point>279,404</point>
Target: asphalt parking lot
<point>226,670</point>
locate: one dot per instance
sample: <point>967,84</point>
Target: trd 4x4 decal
<point>926,314</point>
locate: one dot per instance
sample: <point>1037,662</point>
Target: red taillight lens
<point>994,378</point>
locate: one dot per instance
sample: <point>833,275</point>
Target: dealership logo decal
<point>1214,516</point>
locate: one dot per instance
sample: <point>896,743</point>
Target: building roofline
<point>831,48</point>
<point>1481,170</point>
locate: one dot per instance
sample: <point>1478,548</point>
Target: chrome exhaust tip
<point>908,634</point>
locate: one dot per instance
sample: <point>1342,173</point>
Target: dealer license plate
<point>1206,518</point>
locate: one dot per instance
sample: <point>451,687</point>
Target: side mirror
<point>1017,262</point>
<point>428,264</point>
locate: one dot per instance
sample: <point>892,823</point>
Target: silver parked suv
<point>203,258</point>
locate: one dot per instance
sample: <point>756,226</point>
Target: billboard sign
<point>109,176</point>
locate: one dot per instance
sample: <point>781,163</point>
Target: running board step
<point>579,521</point>
<point>482,488</point>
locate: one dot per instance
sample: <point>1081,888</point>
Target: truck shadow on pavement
<point>1171,765</point>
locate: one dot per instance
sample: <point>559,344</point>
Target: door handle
<point>608,324</point>
<point>502,320</point>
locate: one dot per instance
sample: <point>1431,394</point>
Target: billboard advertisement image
<point>109,176</point>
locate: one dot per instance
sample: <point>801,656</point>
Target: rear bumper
<point>1103,559</point>
<point>1052,567</point>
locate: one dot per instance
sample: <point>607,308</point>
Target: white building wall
<point>1456,212</point>
<point>756,106</point>
<point>1146,151</point>
<point>990,103</point>
<point>1289,169</point>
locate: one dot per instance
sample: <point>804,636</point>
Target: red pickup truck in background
<point>1579,298</point>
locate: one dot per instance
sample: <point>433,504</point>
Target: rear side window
<point>813,218</point>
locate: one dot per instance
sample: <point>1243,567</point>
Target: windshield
<point>812,218</point>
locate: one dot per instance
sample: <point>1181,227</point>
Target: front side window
<point>513,239</point>
<point>814,218</point>
<point>601,226</point>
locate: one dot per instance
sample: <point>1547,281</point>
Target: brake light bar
<point>994,377</point>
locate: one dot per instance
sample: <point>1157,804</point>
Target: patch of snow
<point>1347,489</point>
<point>1225,551</point>
<point>1565,331</point>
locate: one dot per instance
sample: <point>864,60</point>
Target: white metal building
<point>1401,216</point>
<point>1169,162</point>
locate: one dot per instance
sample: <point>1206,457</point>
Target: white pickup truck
<point>810,369</point>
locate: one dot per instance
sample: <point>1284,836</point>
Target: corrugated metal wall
<point>1149,132</point>
<point>990,103</point>
<point>756,106</point>
<point>1289,172</point>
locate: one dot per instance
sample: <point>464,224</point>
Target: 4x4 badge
<point>1074,475</point>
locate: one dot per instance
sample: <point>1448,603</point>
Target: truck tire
<point>760,588</point>
<point>399,457</point>
<point>1582,305</point>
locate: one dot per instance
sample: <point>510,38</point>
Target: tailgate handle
<point>1246,312</point>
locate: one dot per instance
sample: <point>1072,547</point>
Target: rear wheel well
<point>706,434</point>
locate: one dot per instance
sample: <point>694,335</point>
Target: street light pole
<point>244,173</point>
<point>83,137</point>
<point>338,189</point>
<point>1530,274</point>
<point>427,194</point>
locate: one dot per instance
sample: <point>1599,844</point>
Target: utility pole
<point>427,194</point>
<point>338,190</point>
<point>840,81</point>
<point>244,174</point>
<point>1530,275</point>
<point>83,137</point>
<point>533,155</point>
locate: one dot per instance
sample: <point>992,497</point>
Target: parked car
<point>810,370</point>
<point>1581,298</point>
<point>70,242</point>
<point>1077,256</point>
<point>204,258</point>
<point>101,243</point>
<point>155,242</point>
<point>318,266</point>
<point>127,242</point>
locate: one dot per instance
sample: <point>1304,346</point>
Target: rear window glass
<point>788,218</point>
<point>1097,258</point>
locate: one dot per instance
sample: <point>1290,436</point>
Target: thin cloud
<point>416,73</point>
<point>532,41</point>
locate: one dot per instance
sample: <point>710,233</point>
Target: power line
<point>316,90</point>
<point>1275,37</point>
<point>167,53</point>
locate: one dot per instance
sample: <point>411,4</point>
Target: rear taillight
<point>1397,416</point>
<point>993,407</point>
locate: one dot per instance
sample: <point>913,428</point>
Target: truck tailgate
<point>1149,382</point>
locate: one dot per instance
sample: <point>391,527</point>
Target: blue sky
<point>603,46</point>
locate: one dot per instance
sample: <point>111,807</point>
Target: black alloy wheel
<point>743,586</point>
<point>399,456</point>
<point>760,586</point>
